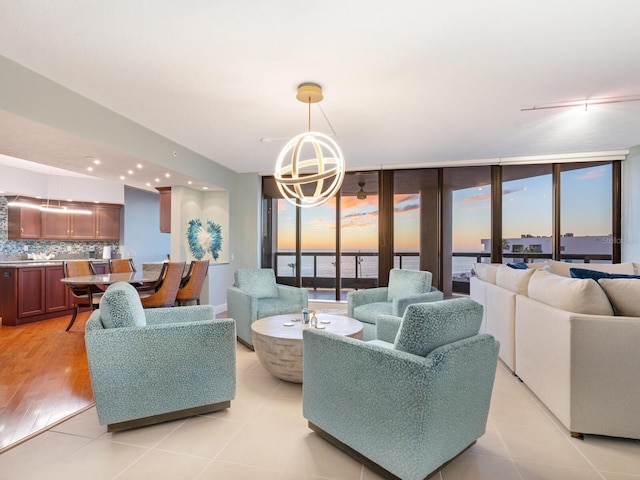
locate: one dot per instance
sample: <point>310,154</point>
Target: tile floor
<point>264,436</point>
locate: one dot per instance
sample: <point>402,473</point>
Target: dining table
<point>109,278</point>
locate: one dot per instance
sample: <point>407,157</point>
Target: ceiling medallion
<point>310,167</point>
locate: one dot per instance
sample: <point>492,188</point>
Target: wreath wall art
<point>204,240</point>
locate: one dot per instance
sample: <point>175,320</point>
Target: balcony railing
<point>360,269</point>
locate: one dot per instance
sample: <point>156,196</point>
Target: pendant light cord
<point>309,122</point>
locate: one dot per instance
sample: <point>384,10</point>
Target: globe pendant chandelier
<point>310,167</point>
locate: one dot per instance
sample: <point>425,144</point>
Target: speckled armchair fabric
<point>405,288</point>
<point>410,406</point>
<point>256,294</point>
<point>154,365</point>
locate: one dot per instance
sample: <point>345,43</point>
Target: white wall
<point>631,206</point>
<point>16,181</point>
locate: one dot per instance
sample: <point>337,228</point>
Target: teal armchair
<point>405,288</point>
<point>255,294</point>
<point>152,365</point>
<point>408,407</point>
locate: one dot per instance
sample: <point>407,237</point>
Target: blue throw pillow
<point>518,265</point>
<point>596,275</point>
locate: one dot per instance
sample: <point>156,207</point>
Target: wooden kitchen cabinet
<point>68,226</point>
<point>81,227</point>
<point>31,291</point>
<point>31,294</point>
<point>165,209</point>
<point>56,292</point>
<point>24,223</point>
<point>101,268</point>
<point>107,222</point>
<point>102,224</point>
<point>55,226</point>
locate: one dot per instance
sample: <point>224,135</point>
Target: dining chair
<point>121,265</point>
<point>167,289</point>
<point>81,295</point>
<point>191,285</point>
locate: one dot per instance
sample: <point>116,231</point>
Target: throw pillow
<point>260,283</point>
<point>485,272</point>
<point>563,268</point>
<point>518,265</point>
<point>404,283</point>
<point>571,294</point>
<point>120,306</point>
<point>596,275</point>
<point>623,294</point>
<point>513,279</point>
<point>427,326</point>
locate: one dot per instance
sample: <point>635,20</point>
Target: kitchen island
<point>31,290</point>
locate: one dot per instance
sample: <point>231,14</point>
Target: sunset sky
<point>526,210</point>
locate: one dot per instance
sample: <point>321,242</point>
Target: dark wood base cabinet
<point>31,294</point>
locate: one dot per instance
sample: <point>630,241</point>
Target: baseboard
<point>371,465</point>
<point>220,308</point>
<point>166,417</point>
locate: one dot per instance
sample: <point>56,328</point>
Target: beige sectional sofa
<point>574,342</point>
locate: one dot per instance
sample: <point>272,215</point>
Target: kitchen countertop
<point>44,263</point>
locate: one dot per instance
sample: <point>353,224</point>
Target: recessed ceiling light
<point>90,169</point>
<point>122,177</point>
<point>139,165</point>
<point>130,172</point>
<point>167,175</point>
<point>205,188</point>
<point>189,182</point>
<point>96,161</point>
<point>157,180</point>
<point>148,184</point>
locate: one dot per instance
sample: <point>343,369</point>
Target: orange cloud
<point>483,197</point>
<point>591,174</point>
<point>360,220</point>
<point>353,202</point>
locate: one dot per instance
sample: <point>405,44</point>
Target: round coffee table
<point>279,347</point>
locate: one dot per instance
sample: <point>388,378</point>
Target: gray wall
<point>141,237</point>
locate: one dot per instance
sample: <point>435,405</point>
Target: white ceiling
<point>404,82</point>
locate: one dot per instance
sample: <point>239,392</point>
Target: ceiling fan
<point>361,195</point>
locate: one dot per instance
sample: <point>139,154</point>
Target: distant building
<point>570,244</point>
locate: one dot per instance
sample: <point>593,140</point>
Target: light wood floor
<point>44,377</point>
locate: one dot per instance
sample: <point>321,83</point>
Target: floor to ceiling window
<point>318,243</point>
<point>286,265</point>
<point>586,212</point>
<point>527,212</point>
<point>359,232</point>
<point>442,220</point>
<point>416,234</point>
<point>466,223</point>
